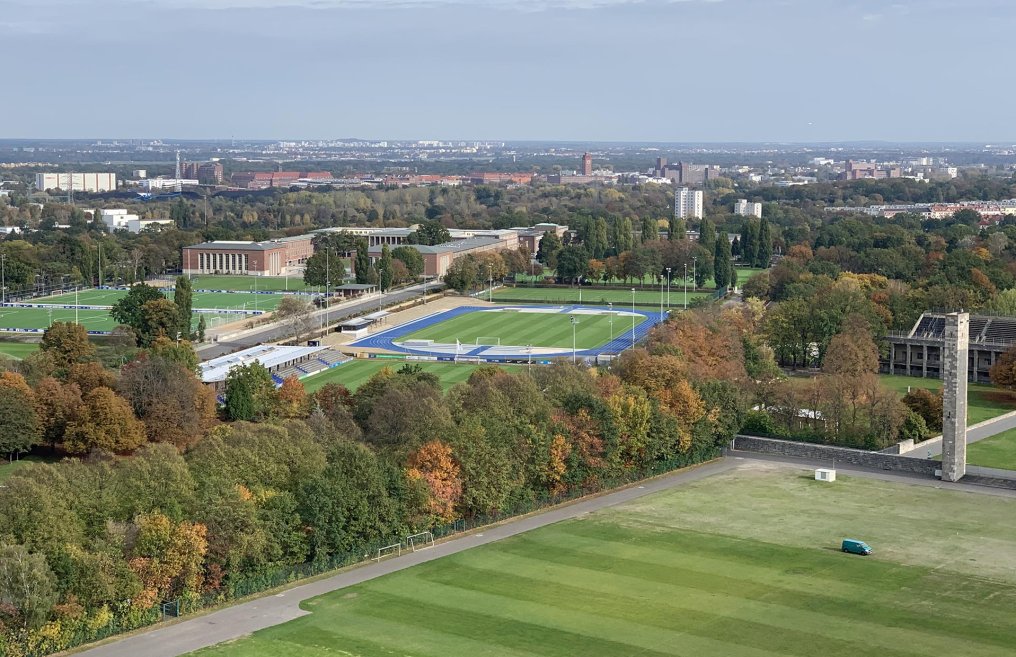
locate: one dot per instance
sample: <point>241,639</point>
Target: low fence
<point>858,457</point>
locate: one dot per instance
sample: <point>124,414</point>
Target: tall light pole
<point>529,349</point>
<point>661,299</point>
<point>668,288</point>
<point>633,318</point>
<point>490,284</point>
<point>686,286</point>
<point>694,274</point>
<point>610,318</point>
<point>3,277</point>
<point>574,322</point>
<point>380,288</point>
<point>328,277</point>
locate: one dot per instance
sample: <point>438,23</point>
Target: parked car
<point>854,546</point>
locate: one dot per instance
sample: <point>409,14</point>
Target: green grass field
<point>8,468</point>
<point>524,328</point>
<point>744,564</point>
<point>646,298</point>
<point>92,320</point>
<point>199,299</point>
<point>998,451</point>
<point>354,374</point>
<point>983,401</point>
<point>18,349</point>
<point>281,283</point>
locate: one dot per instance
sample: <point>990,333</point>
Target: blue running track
<point>388,339</point>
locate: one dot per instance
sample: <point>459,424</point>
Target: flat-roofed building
<point>76,182</point>
<point>274,358</point>
<point>747,208</point>
<point>269,258</point>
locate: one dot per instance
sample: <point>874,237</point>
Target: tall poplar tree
<point>183,298</point>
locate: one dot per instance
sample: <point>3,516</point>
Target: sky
<point>576,70</point>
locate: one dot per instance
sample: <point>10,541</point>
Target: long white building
<point>76,182</point>
<point>687,203</point>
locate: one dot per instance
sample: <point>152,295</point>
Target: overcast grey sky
<point>625,70</point>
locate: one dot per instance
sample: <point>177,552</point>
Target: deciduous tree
<point>250,393</point>
<point>434,464</point>
<point>104,421</point>
<point>19,423</point>
<point>68,344</point>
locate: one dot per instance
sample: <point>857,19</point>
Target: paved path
<point>979,431</point>
<point>242,619</point>
<point>279,330</point>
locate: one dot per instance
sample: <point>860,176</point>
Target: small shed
<point>352,290</point>
<point>825,474</point>
<point>358,327</point>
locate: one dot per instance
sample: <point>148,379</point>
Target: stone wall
<point>858,457</point>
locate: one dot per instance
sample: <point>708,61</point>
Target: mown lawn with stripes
<point>744,564</point>
<point>356,373</point>
<point>527,328</point>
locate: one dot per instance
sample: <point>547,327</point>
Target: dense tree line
<point>168,501</point>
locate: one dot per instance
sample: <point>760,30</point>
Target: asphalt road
<point>274,333</point>
<point>243,619</point>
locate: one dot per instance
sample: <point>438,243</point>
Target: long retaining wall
<point>859,457</point>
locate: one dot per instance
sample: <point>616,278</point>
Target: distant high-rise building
<point>687,203</point>
<point>748,209</point>
<point>685,173</point>
<point>587,165</point>
<point>208,173</point>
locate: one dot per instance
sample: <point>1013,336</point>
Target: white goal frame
<point>484,342</point>
<point>388,550</point>
<point>420,541</point>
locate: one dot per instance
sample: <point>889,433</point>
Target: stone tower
<point>954,407</point>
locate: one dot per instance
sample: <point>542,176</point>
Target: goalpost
<point>488,340</point>
<point>420,541</point>
<point>388,550</point>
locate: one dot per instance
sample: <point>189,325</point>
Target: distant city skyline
<point>655,71</point>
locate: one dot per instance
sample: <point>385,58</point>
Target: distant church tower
<point>587,165</point>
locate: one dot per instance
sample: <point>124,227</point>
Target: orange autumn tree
<point>434,465</point>
<point>292,398</point>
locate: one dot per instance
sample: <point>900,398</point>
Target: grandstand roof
<point>269,355</point>
<point>984,329</point>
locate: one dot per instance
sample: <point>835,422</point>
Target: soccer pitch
<point>277,283</point>
<point>354,374</point>
<point>621,298</point>
<point>743,564</point>
<point>538,329</point>
<point>206,300</point>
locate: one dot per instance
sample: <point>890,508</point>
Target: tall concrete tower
<point>587,165</point>
<point>954,407</point>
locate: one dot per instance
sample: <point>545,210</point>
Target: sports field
<point>744,564</point>
<point>18,349</point>
<point>528,328</point>
<point>646,298</point>
<point>354,374</point>
<point>92,320</point>
<point>281,283</point>
<point>213,300</point>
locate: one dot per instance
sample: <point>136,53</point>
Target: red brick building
<point>495,178</point>
<point>270,258</point>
